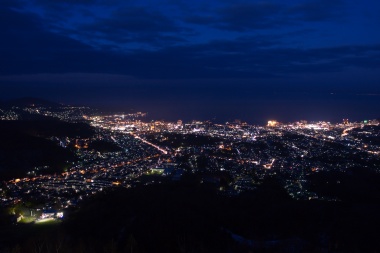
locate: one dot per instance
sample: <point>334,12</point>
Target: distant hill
<point>16,107</point>
<point>26,144</point>
<point>32,101</point>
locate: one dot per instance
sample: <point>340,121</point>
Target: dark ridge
<point>20,153</point>
<point>47,128</point>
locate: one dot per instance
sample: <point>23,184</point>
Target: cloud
<point>317,11</point>
<point>128,25</point>
<point>136,19</point>
<point>28,48</point>
<point>121,26</point>
<point>240,17</point>
<point>246,16</point>
<point>6,4</point>
<point>84,79</point>
<point>77,2</point>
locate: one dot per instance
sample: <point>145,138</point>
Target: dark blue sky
<point>253,60</point>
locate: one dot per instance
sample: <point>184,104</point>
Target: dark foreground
<point>194,217</point>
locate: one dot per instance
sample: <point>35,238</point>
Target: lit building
<point>272,123</point>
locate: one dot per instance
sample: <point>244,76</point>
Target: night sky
<point>251,60</point>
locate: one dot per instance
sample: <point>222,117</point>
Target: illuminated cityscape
<point>247,153</point>
<point>235,158</point>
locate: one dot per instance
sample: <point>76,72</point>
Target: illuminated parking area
<point>50,216</point>
<point>45,220</point>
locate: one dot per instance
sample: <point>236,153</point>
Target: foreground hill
<point>191,217</point>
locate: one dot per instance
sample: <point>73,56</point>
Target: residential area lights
<point>247,153</point>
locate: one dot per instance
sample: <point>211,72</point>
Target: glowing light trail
<point>149,143</point>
